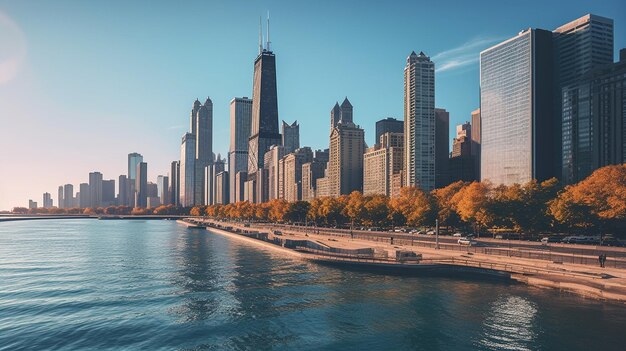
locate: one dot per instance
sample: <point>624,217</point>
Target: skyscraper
<point>83,200</point>
<point>264,128</point>
<point>517,109</point>
<point>291,136</point>
<point>579,47</point>
<point>60,200</point>
<point>270,163</point>
<point>211,172</point>
<point>476,143</point>
<point>240,120</point>
<point>123,190</point>
<point>221,188</point>
<point>293,172</point>
<point>108,192</point>
<point>187,170</point>
<point>442,148</point>
<point>419,121</point>
<point>95,189</point>
<point>381,162</point>
<point>141,185</point>
<point>68,196</point>
<point>345,165</point>
<point>204,147</point>
<point>461,160</point>
<point>163,189</point>
<point>133,159</point>
<point>47,200</point>
<point>595,112</point>
<point>175,183</point>
<point>386,125</point>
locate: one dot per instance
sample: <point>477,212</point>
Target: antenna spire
<point>260,37</point>
<point>268,30</point>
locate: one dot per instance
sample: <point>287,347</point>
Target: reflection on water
<point>87,284</point>
<point>510,324</point>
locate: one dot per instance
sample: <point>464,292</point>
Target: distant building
<point>204,148</point>
<point>108,192</point>
<point>270,163</point>
<point>187,170</point>
<point>387,125</point>
<point>141,185</point>
<point>163,189</point>
<point>32,204</point>
<point>249,190</point>
<point>221,188</point>
<point>68,195</point>
<point>261,186</point>
<point>211,172</point>
<point>240,123</point>
<point>152,190</point>
<point>60,200</point>
<point>517,109</point>
<point>153,202</point>
<point>47,200</point>
<point>240,178</point>
<point>345,165</point>
<point>381,162</point>
<point>419,122</point>
<point>175,183</point>
<point>291,136</point>
<point>293,172</point>
<point>123,191</point>
<point>476,143</point>
<point>461,160</point>
<point>311,172</point>
<point>83,200</point>
<point>95,189</point>
<point>442,148</point>
<point>133,159</point>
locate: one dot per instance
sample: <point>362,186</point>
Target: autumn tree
<point>354,208</point>
<point>376,211</point>
<point>416,206</point>
<point>296,211</point>
<point>471,203</point>
<point>446,211</point>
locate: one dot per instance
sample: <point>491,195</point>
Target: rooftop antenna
<point>268,30</point>
<point>260,37</point>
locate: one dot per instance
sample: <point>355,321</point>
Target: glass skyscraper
<point>517,110</point>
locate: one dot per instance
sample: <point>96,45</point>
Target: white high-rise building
<point>187,169</point>
<point>419,121</point>
<point>240,119</point>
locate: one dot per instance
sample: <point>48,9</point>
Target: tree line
<point>596,204</point>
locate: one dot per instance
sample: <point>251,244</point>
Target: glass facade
<point>187,169</point>
<point>506,111</point>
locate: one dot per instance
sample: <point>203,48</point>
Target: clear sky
<point>84,83</point>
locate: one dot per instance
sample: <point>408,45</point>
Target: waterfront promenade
<point>607,283</point>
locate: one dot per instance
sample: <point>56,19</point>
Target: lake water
<point>127,285</point>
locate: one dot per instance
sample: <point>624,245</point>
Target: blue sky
<point>83,83</point>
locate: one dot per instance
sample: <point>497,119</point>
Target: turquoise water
<point>148,285</point>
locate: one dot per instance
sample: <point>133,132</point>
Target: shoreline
<point>581,281</point>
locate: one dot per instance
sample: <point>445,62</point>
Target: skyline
<point>374,97</point>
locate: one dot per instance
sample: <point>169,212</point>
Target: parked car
<point>430,232</point>
<point>581,239</point>
<point>550,239</point>
<point>457,234</point>
<point>467,241</point>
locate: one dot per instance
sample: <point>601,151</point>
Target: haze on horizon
<point>82,84</point>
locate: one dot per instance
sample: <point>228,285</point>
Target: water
<point>127,285</point>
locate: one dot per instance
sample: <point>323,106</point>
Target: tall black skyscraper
<point>264,130</point>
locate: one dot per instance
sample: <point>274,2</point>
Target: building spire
<point>260,37</point>
<point>268,31</point>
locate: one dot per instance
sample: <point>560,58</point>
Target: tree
<point>197,211</point>
<point>331,210</point>
<point>597,201</point>
<point>446,212</point>
<point>20,210</point>
<point>354,209</point>
<point>471,203</point>
<point>296,211</point>
<point>414,205</point>
<point>376,211</point>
